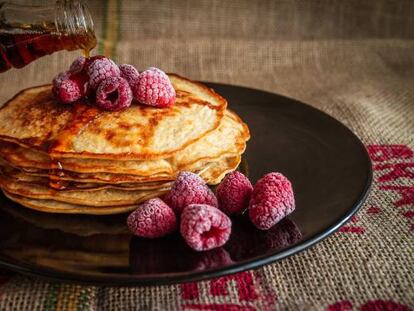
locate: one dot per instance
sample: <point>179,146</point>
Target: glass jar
<point>28,32</point>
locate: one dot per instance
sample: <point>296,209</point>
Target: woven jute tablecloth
<point>351,59</point>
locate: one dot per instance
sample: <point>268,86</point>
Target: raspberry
<point>77,65</point>
<point>100,69</point>
<point>233,194</point>
<point>68,91</point>
<point>204,227</point>
<point>114,94</point>
<point>154,88</point>
<point>81,79</point>
<point>189,188</point>
<point>272,199</point>
<point>57,81</point>
<point>129,73</point>
<point>152,219</point>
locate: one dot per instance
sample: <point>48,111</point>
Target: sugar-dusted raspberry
<point>68,91</point>
<point>57,81</point>
<point>100,69</point>
<point>114,94</point>
<point>233,193</point>
<point>154,88</point>
<point>204,227</point>
<point>272,199</point>
<point>77,65</point>
<point>82,80</point>
<point>152,219</point>
<point>189,188</point>
<point>129,73</point>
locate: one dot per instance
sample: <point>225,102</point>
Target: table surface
<point>355,61</point>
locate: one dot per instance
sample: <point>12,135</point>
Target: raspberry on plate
<point>154,88</point>
<point>152,219</point>
<point>100,69</point>
<point>113,94</point>
<point>129,73</point>
<point>189,188</point>
<point>204,227</point>
<point>272,199</point>
<point>233,193</point>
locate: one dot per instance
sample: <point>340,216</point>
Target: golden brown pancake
<point>122,179</point>
<point>100,197</point>
<point>51,206</point>
<point>33,118</point>
<point>229,138</point>
<point>79,159</point>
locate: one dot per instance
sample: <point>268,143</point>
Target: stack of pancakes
<point>79,159</point>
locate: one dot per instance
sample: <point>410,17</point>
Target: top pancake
<point>34,119</point>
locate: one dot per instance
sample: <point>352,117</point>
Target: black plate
<point>327,164</point>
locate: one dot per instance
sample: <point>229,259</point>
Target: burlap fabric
<point>351,59</point>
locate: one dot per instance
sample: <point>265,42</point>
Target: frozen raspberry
<point>81,79</point>
<point>204,227</point>
<point>68,91</point>
<point>57,81</point>
<point>189,188</point>
<point>233,194</point>
<point>129,73</point>
<point>100,69</point>
<point>154,88</point>
<point>272,199</point>
<point>114,94</point>
<point>152,219</point>
<point>77,65</point>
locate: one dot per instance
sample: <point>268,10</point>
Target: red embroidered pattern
<point>395,163</point>
<point>372,305</point>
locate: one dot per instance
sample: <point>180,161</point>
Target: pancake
<point>44,180</point>
<point>34,119</point>
<point>229,138</point>
<point>51,206</point>
<point>218,172</point>
<point>101,197</point>
<point>78,159</point>
<point>119,179</point>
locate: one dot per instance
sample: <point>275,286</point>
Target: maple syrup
<point>56,174</point>
<point>30,32</point>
